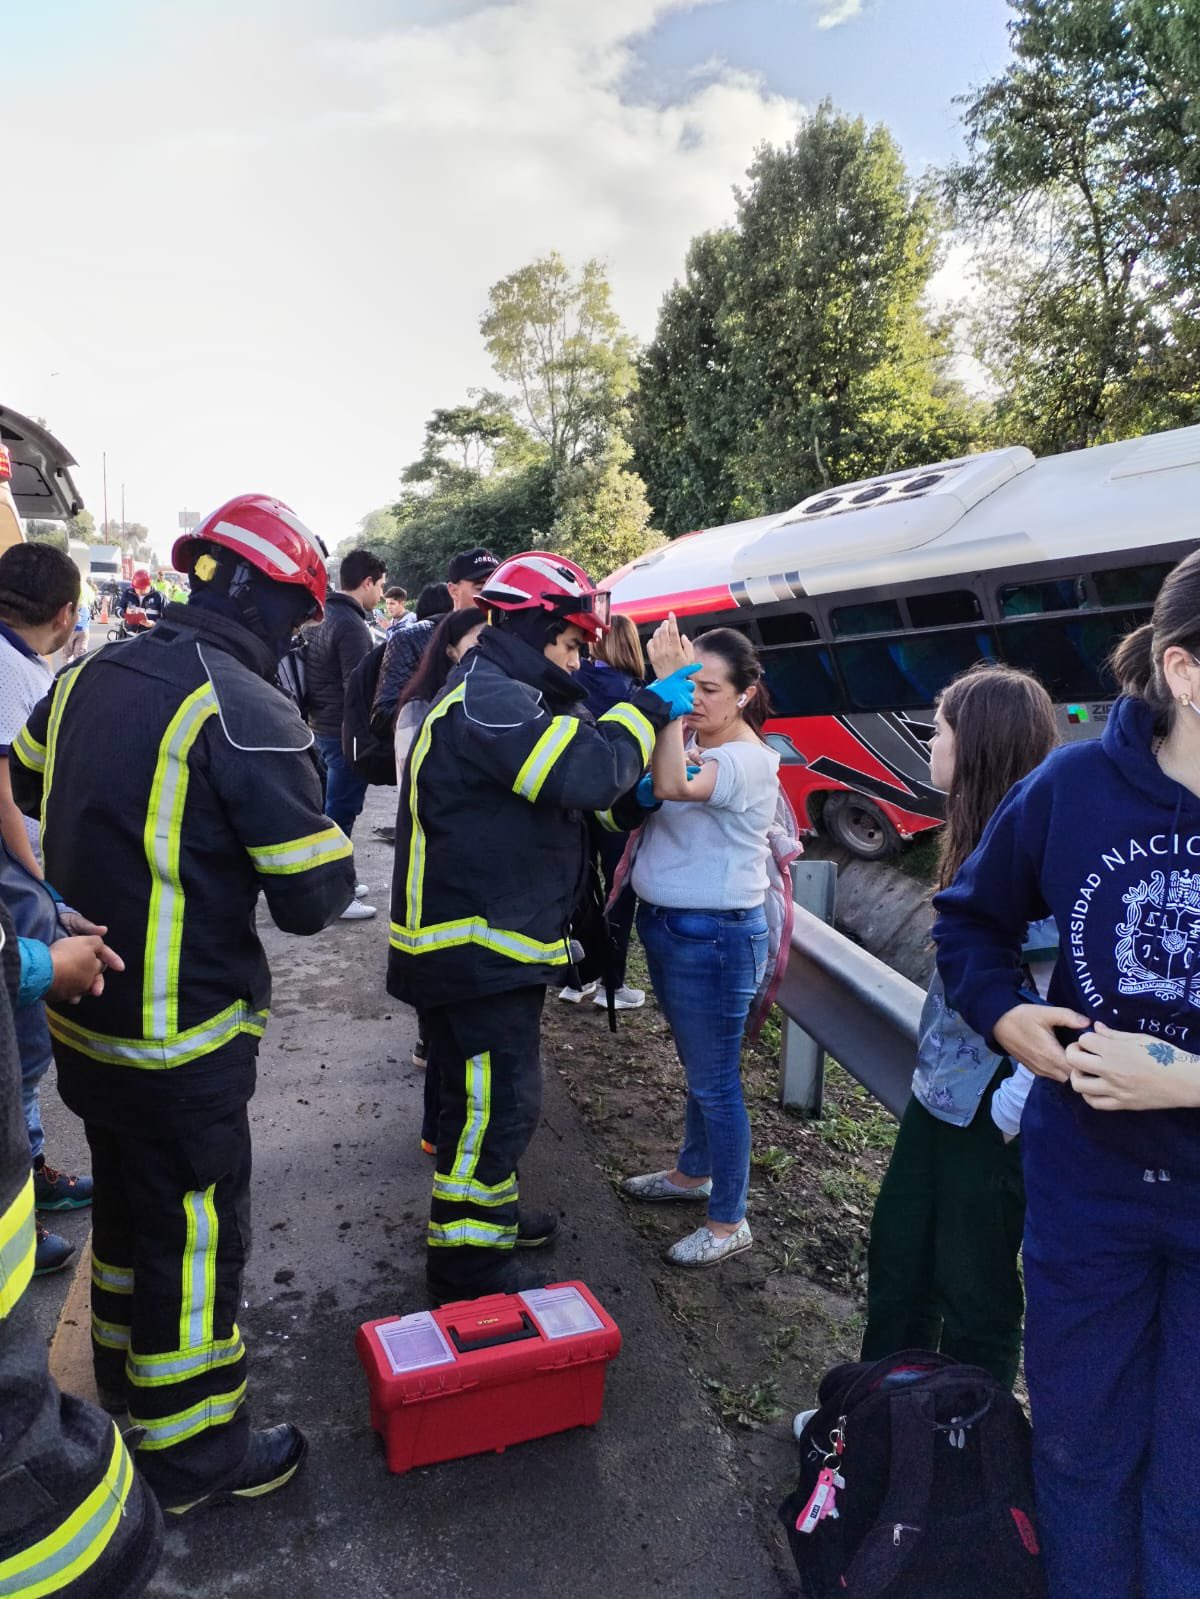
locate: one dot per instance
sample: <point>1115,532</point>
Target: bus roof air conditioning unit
<point>867,521</point>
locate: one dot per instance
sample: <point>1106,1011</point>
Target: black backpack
<point>938,1495</point>
<point>372,757</point>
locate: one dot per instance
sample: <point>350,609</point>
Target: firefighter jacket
<point>75,1520</point>
<point>491,842</point>
<point>174,782</point>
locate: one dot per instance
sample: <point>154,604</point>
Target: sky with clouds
<point>248,243</point>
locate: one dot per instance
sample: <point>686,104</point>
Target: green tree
<point>47,533</point>
<point>799,350</point>
<point>558,339</point>
<point>1081,186</point>
<point>603,515</point>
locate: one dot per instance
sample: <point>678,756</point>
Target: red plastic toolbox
<point>483,1374</point>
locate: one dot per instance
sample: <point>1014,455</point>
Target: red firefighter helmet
<point>141,577</point>
<point>538,580</point>
<point>269,535</point>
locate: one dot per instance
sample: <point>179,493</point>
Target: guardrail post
<point>802,1059</point>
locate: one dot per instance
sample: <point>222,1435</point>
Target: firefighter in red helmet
<point>141,599</point>
<point>199,788</point>
<point>491,857</point>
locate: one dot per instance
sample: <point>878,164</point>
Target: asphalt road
<point>645,1504</point>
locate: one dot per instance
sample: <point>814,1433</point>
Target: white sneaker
<point>624,999</point>
<point>574,995</point>
<point>356,911</point>
<point>361,891</point>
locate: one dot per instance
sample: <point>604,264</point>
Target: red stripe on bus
<point>695,602</point>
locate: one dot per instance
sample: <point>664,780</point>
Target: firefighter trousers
<point>170,1234</point>
<point>487,1055</point>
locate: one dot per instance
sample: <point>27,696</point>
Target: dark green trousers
<point>942,1262</point>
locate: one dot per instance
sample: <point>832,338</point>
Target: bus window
<point>898,674</point>
<point>1069,655</point>
<point>801,681</point>
<point>1026,599</point>
<point>949,609</point>
<point>875,616</point>
<point>1131,585</point>
<point>797,627</point>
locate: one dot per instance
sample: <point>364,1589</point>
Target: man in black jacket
<point>490,864</point>
<point>176,784</point>
<point>334,649</point>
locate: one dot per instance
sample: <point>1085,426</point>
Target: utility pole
<point>107,529</point>
<point>122,511</point>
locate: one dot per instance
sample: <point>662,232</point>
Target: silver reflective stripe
<point>450,1235</point>
<point>151,1053</point>
<point>109,1334</point>
<point>18,1246</point>
<point>153,1371</point>
<point>460,1191</point>
<point>199,1270</point>
<point>174,1429</point>
<point>331,845</point>
<point>117,1279</point>
<point>479,1105</point>
<point>255,541</point>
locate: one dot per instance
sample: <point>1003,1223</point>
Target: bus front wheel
<point>860,826</point>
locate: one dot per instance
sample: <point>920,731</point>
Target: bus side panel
<point>871,753</point>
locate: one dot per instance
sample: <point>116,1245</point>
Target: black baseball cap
<point>472,566</point>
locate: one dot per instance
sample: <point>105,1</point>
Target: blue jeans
<point>1112,1345</point>
<point>706,967</point>
<point>345,791</point>
<point>33,1045</point>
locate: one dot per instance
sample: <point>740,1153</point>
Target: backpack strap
<point>879,1564</point>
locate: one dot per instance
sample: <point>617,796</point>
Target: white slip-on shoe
<point>357,911</point>
<point>572,996</point>
<point>704,1248</point>
<point>361,891</point>
<point>657,1185</point>
<point>624,998</point>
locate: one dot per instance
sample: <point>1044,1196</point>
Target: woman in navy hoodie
<point>1105,837</point>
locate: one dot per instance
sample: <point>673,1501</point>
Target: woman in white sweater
<point>700,875</point>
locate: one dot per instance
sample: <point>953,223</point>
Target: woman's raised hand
<point>668,651</point>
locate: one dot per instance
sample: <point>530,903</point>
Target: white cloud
<point>834,12</point>
<point>268,247</point>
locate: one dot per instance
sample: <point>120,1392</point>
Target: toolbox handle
<point>484,1338</point>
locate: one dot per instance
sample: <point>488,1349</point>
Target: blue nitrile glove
<point>677,692</point>
<point>645,793</point>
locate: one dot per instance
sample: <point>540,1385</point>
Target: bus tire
<point>857,824</point>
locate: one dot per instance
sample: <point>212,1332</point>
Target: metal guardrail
<point>855,1008</point>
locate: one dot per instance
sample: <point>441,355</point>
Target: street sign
<point>188,520</point>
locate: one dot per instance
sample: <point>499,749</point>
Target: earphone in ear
<point>741,699</point>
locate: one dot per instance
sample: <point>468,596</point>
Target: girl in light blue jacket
<point>942,1262</point>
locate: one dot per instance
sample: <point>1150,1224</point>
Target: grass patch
<point>749,1407</point>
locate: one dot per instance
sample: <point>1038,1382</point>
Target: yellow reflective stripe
<point>116,1279</point>
<point>18,1245</point>
<point>474,930</point>
<point>199,1270</point>
<point>605,818</point>
<point>301,854</point>
<point>161,1371</point>
<point>62,693</point>
<point>414,883</point>
<point>109,1334</point>
<point>470,1192</point>
<point>152,1054</point>
<point>28,751</point>
<point>453,1234</point>
<point>163,1432</point>
<point>55,1561</point>
<point>162,839</point>
<point>539,763</point>
<point>479,1110</point>
<point>632,720</point>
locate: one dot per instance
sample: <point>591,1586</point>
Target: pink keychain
<point>822,1502</point>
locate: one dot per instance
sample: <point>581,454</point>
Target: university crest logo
<point>1159,940</point>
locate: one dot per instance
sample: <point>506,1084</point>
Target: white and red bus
<point>865,600</point>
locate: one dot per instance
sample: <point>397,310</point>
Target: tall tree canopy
<point>1081,187</point>
<point>798,350</point>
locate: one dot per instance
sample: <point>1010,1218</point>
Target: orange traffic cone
<point>104,611</point>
